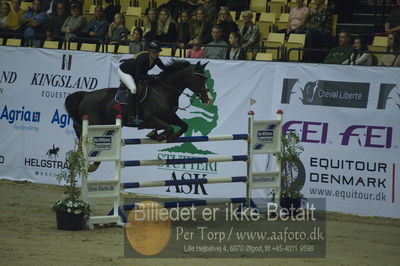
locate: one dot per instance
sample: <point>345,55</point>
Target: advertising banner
<point>347,119</point>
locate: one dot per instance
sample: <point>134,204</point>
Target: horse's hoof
<point>153,135</point>
<point>162,137</point>
<point>173,137</point>
<point>92,168</point>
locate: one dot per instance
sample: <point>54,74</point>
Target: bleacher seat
<point>277,6</point>
<point>266,23</point>
<point>258,5</point>
<point>132,16</point>
<point>51,44</point>
<point>123,49</point>
<point>283,21</point>
<point>166,52</point>
<point>295,41</point>
<point>275,40</point>
<point>13,42</point>
<point>264,57</point>
<point>90,47</point>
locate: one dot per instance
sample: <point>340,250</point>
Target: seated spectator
<point>117,31</point>
<point>97,27</point>
<point>75,23</point>
<point>250,34</point>
<point>34,20</point>
<point>393,21</point>
<point>197,51</point>
<point>14,16</point>
<point>4,12</point>
<point>226,22</point>
<point>56,22</point>
<point>166,28</point>
<point>137,44</point>
<point>150,25</point>
<point>393,47</point>
<point>50,6</point>
<point>359,57</point>
<point>209,8</point>
<point>338,54</point>
<point>235,52</point>
<point>184,30</point>
<point>298,18</point>
<point>216,49</point>
<point>110,10</point>
<point>200,28</point>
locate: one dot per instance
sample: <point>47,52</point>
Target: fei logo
<point>66,62</point>
<point>368,136</point>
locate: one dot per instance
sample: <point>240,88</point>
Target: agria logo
<point>22,115</point>
<point>204,119</point>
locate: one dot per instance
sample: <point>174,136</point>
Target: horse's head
<point>198,85</point>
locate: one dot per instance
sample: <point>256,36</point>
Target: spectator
<point>393,47</point>
<point>218,47</point>
<point>250,34</point>
<point>210,10</point>
<point>34,20</point>
<point>117,31</point>
<point>338,54</point>
<point>200,28</point>
<point>196,51</point>
<point>298,18</point>
<point>359,57</point>
<point>4,12</point>
<point>74,24</point>
<point>56,22</point>
<point>319,26</point>
<point>184,30</point>
<point>97,27</point>
<point>166,28</point>
<point>393,21</point>
<point>235,52</point>
<point>226,22</point>
<point>150,25</point>
<point>50,6</point>
<point>14,16</point>
<point>111,10</point>
<point>137,44</point>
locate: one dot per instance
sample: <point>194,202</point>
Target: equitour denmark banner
<point>348,121</point>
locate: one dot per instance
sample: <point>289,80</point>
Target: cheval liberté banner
<point>346,120</point>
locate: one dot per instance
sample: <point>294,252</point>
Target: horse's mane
<point>175,66</point>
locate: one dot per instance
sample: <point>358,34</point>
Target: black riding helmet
<point>154,46</point>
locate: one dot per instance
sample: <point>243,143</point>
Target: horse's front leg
<point>176,120</point>
<point>159,124</point>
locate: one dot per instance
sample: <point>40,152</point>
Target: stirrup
<point>121,97</point>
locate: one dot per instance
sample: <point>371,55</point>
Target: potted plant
<point>291,197</point>
<point>71,212</point>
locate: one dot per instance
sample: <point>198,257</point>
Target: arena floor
<point>29,237</point>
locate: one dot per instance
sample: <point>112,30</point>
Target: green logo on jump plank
<point>204,120</point>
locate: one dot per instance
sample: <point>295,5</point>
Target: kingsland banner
<point>347,118</point>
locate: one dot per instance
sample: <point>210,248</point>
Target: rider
<point>136,69</point>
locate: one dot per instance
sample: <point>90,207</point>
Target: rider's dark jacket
<point>138,66</point>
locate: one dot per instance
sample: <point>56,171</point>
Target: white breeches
<point>127,80</point>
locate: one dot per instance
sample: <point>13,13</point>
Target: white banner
<point>347,118</point>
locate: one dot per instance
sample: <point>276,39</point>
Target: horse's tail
<point>72,106</point>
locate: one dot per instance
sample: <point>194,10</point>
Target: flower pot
<point>69,221</point>
<point>294,203</point>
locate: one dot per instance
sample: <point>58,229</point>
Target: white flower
<point>78,211</point>
<point>76,205</point>
<point>68,210</point>
<point>69,204</point>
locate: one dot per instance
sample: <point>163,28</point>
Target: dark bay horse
<point>158,109</point>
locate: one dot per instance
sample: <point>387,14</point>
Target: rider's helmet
<point>154,46</point>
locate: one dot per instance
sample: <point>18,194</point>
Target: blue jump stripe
<point>239,178</point>
<point>240,136</point>
<point>187,160</point>
<point>240,158</point>
<point>131,163</point>
<point>94,153</point>
<point>132,141</point>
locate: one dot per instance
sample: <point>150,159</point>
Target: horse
<point>157,109</point>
